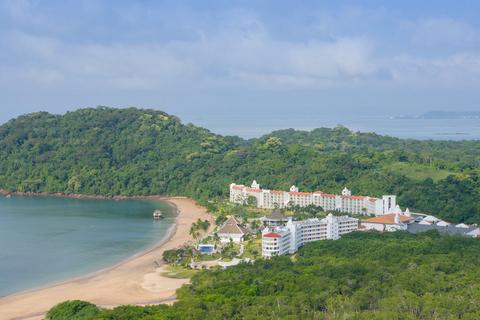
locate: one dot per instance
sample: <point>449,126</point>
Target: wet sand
<point>134,281</point>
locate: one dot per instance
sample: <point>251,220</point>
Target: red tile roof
<point>242,187</point>
<point>328,195</point>
<point>301,193</point>
<point>272,235</point>
<point>354,197</point>
<point>388,219</point>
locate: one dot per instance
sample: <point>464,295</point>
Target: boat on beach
<point>157,214</point>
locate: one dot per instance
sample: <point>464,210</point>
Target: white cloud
<point>17,8</point>
<point>442,32</point>
<point>115,65</point>
<point>343,57</point>
<point>241,51</point>
<point>457,70</point>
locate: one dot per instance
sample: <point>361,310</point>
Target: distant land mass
<point>108,151</point>
<point>444,115</point>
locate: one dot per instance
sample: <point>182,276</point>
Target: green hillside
<point>419,172</point>
<point>139,152</point>
<point>362,276</point>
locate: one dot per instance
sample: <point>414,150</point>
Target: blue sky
<point>201,58</point>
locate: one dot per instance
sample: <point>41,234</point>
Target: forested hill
<point>138,152</point>
<point>363,276</point>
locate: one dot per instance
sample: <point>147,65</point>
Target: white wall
<point>226,238</point>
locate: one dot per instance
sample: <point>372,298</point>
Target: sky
<point>229,59</point>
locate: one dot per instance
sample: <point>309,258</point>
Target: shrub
<point>73,310</point>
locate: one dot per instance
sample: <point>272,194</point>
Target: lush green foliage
<point>138,152</point>
<point>197,227</point>
<point>178,256</point>
<point>362,276</point>
<point>178,272</point>
<point>160,312</point>
<point>73,310</point>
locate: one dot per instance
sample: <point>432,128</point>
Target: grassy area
<point>230,251</point>
<point>253,248</point>
<point>178,272</point>
<point>419,172</point>
<point>208,257</point>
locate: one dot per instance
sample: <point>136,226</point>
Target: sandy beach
<point>134,281</point>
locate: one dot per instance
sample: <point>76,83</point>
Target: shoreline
<point>135,280</point>
<point>80,196</point>
<point>91,274</point>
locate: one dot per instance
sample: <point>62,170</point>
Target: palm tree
<point>255,224</point>
<point>205,225</point>
<point>194,231</point>
<point>216,238</point>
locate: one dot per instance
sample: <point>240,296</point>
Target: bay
<point>49,239</point>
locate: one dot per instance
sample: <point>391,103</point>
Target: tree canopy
<point>141,152</point>
<point>389,276</point>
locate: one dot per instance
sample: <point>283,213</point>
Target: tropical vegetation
<point>362,276</point>
<point>140,152</point>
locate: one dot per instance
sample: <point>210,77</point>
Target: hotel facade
<point>346,202</point>
<point>287,239</point>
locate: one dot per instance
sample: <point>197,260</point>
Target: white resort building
<point>280,240</point>
<point>346,202</point>
<point>397,220</point>
<point>232,231</point>
<point>274,219</point>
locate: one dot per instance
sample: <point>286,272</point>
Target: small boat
<point>8,196</point>
<point>157,214</point>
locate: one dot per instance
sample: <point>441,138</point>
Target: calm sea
<point>253,125</point>
<point>47,239</point>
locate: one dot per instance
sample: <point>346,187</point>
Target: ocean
<point>47,239</point>
<point>253,125</point>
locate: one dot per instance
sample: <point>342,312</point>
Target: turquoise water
<point>47,239</point>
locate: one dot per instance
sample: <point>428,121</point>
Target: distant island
<point>443,115</point>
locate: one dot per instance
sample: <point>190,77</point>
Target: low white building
<point>232,231</point>
<point>346,202</point>
<point>287,239</point>
<point>426,223</point>
<point>431,219</point>
<point>443,223</point>
<point>388,222</point>
<point>276,242</point>
<point>474,233</point>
